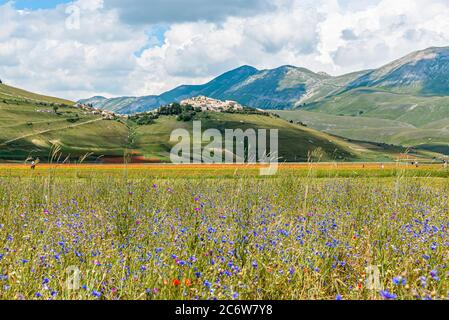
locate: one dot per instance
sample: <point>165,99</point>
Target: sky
<point>81,48</point>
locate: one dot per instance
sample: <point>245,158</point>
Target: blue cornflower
<point>387,295</point>
<point>434,275</point>
<point>399,281</point>
<point>338,297</point>
<point>291,271</point>
<point>423,281</point>
<point>255,265</point>
<point>96,294</point>
<point>182,263</point>
<point>207,284</point>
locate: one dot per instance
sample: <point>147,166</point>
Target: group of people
<point>416,164</point>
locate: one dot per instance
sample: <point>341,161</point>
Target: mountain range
<point>422,73</point>
<point>281,88</point>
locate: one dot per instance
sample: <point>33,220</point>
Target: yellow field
<point>211,170</point>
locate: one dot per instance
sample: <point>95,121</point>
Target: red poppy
<point>176,282</point>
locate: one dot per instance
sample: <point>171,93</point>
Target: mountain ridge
<point>277,88</point>
<point>420,73</point>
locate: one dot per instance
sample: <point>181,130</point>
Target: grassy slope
<point>373,115</point>
<point>295,141</point>
<point>25,131</point>
<point>111,138</point>
<point>415,110</point>
<point>29,132</point>
<point>8,92</point>
<point>329,86</point>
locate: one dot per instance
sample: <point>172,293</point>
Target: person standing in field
<point>33,165</point>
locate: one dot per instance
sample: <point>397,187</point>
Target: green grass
<point>378,116</point>
<point>295,141</point>
<point>27,132</point>
<point>414,110</point>
<point>32,128</point>
<point>8,92</point>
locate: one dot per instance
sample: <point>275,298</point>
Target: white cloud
<point>110,56</point>
<point>382,32</point>
<point>38,52</point>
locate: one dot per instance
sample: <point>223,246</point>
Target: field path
<point>34,122</point>
<point>49,130</point>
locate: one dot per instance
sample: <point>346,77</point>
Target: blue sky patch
<point>34,4</point>
<point>155,38</point>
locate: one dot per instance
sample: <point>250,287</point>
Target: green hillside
<point>381,116</point>
<point>11,93</point>
<point>375,103</point>
<point>32,125</point>
<point>29,129</point>
<point>295,141</point>
<point>405,102</point>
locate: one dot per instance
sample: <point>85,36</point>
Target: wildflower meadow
<point>155,233</point>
